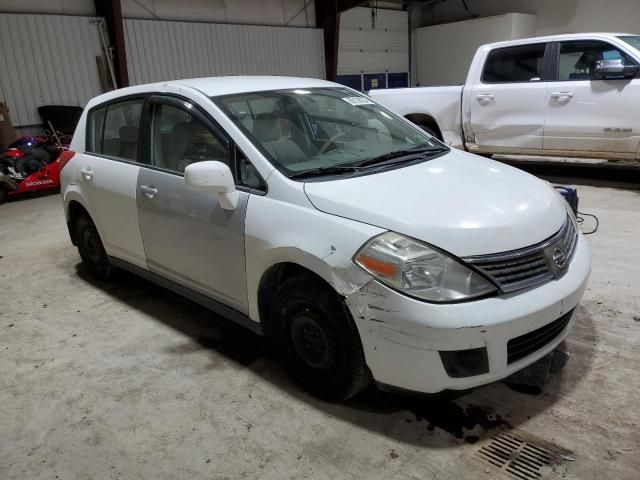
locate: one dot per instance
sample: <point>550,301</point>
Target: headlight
<point>419,270</point>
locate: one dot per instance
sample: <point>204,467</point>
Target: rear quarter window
<point>95,129</point>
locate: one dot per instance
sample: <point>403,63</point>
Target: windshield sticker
<point>358,101</point>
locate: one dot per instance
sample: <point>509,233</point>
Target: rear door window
<point>114,129</point>
<point>522,63</point>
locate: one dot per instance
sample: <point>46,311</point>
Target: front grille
<point>532,265</point>
<point>531,342</point>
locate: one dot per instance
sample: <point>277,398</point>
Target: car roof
<point>550,38</point>
<point>216,86</point>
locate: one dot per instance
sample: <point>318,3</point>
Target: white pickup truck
<point>563,95</point>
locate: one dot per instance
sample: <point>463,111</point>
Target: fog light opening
<point>465,363</point>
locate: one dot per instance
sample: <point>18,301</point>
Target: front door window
<point>179,139</point>
<point>578,59</point>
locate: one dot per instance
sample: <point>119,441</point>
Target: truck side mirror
<point>615,68</point>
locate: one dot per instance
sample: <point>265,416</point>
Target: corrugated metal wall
<point>164,50</point>
<point>364,48</point>
<point>45,60</point>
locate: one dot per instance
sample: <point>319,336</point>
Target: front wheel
<point>91,250</point>
<point>319,341</point>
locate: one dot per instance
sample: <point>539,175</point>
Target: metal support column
<point>111,10</point>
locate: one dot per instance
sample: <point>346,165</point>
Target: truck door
<point>588,111</point>
<point>507,104</point>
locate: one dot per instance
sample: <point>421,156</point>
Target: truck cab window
<point>522,63</point>
<point>577,60</point>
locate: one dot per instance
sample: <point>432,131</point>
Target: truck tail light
<point>64,158</point>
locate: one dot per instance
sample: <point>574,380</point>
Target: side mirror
<point>215,177</point>
<point>610,69</point>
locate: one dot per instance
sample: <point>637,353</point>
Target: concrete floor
<point>128,381</point>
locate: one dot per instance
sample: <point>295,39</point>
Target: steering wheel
<point>327,143</point>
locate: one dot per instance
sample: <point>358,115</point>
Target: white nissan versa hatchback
<point>303,210</point>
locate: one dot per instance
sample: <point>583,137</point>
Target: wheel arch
<point>278,273</point>
<point>424,119</point>
<point>75,209</point>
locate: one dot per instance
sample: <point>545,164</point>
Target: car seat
<point>184,148</point>
<point>128,142</point>
<point>585,66</point>
<point>267,128</point>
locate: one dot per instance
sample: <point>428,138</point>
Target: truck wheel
<point>91,250</point>
<point>4,193</point>
<point>319,341</point>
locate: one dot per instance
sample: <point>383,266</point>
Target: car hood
<point>461,203</point>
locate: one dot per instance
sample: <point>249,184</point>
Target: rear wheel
<point>91,250</point>
<point>4,193</point>
<point>319,341</point>
<point>430,131</point>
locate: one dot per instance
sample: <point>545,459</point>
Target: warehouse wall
<point>61,7</point>
<point>450,65</point>
<point>159,50</point>
<point>47,59</point>
<point>553,16</point>
<point>51,58</point>
<point>293,13</point>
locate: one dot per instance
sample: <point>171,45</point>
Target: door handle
<point>484,96</point>
<point>149,192</point>
<point>86,173</point>
<point>562,95</point>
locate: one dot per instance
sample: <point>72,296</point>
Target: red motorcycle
<point>30,164</point>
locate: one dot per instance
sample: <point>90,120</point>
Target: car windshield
<point>633,40</point>
<point>326,131</point>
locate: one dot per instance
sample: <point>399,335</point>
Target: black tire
<point>4,193</point>
<point>430,131</point>
<point>91,250</point>
<point>318,339</point>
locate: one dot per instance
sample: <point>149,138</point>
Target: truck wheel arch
<point>427,123</point>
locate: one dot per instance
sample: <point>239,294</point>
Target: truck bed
<point>441,103</point>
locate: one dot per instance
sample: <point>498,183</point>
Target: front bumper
<point>403,337</point>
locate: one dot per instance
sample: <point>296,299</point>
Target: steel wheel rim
<point>91,246</point>
<point>310,341</point>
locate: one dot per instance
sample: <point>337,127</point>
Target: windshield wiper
<point>399,156</point>
<point>328,170</point>
<point>402,155</point>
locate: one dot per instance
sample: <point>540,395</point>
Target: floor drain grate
<point>516,457</point>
